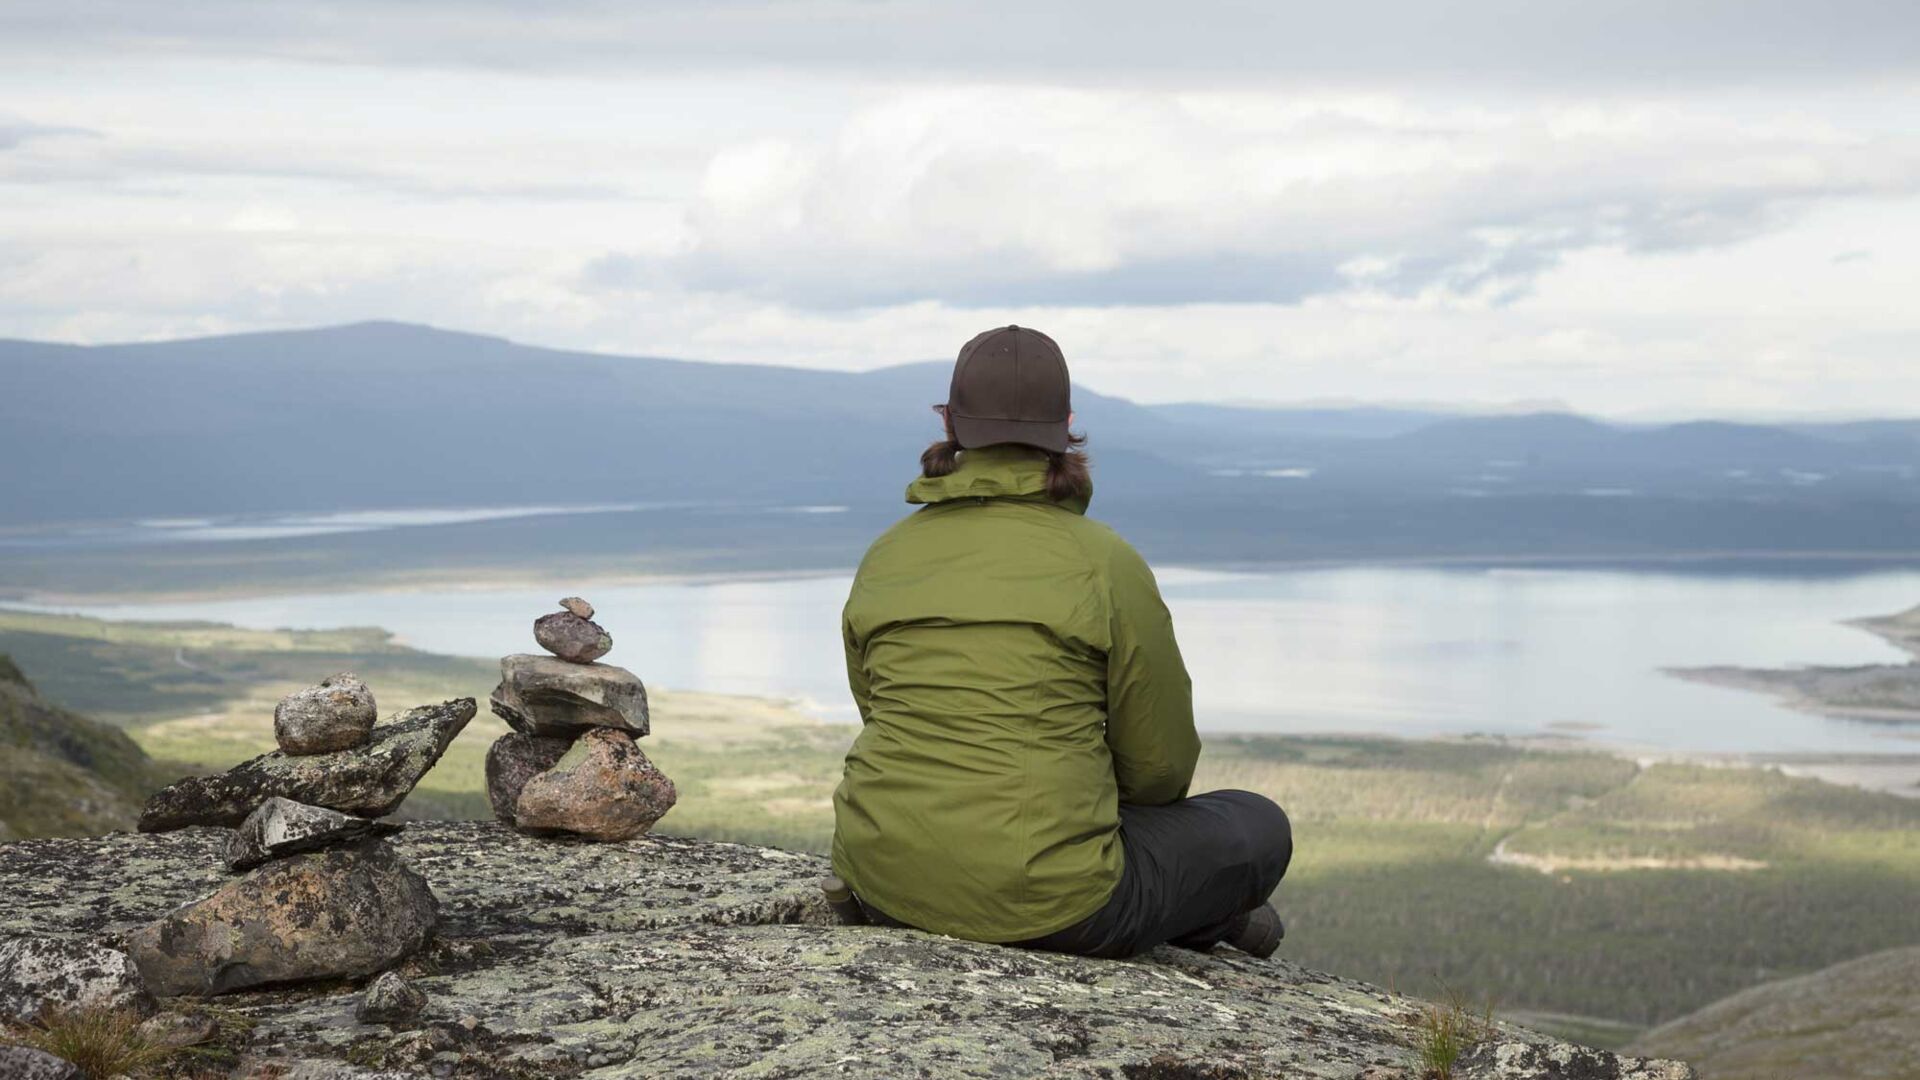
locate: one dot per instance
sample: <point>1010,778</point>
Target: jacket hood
<point>1003,471</point>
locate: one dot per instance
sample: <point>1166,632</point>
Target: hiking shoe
<point>1258,932</point>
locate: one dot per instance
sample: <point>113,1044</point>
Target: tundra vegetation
<point>1589,895</point>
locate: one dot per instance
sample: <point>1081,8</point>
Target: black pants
<point>1192,867</point>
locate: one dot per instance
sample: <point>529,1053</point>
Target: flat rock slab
<point>545,695</point>
<point>664,957</point>
<point>282,827</point>
<point>339,913</point>
<point>370,780</point>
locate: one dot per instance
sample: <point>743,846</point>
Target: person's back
<point>1028,734</point>
<point>979,632</point>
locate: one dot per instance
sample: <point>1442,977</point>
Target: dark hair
<point>1067,474</point>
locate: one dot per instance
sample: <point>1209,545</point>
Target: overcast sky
<point>1634,208</point>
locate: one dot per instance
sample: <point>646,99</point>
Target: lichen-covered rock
<point>336,715</point>
<point>514,759</point>
<point>390,999</point>
<point>282,827</point>
<point>26,1063</point>
<point>573,638</point>
<point>577,606</point>
<point>543,695</point>
<point>368,780</point>
<point>664,957</point>
<point>341,912</point>
<point>180,1029</point>
<point>1520,1061</point>
<point>614,793</point>
<point>39,973</point>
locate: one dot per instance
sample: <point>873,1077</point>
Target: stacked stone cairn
<point>321,894</point>
<point>558,703</point>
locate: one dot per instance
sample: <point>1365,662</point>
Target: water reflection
<point>1384,650</point>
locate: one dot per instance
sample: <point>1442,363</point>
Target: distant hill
<point>379,416</point>
<point>1856,1019</point>
<point>66,775</point>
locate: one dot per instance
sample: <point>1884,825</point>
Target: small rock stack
<point>555,703</point>
<point>323,896</point>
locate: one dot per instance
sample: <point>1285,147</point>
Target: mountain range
<point>378,416</point>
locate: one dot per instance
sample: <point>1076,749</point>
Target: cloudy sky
<point>1645,208</point>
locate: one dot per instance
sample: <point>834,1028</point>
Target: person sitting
<point>1027,736</point>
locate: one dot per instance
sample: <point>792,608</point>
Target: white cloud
<point>1736,240</point>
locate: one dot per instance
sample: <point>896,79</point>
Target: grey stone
<point>341,912</point>
<point>282,827</point>
<point>578,606</point>
<point>370,780</point>
<point>26,1063</point>
<point>336,715</point>
<point>542,695</point>
<point>180,1029</point>
<point>572,638</point>
<point>390,999</point>
<point>38,973</point>
<point>614,793</point>
<point>514,759</point>
<point>668,957</point>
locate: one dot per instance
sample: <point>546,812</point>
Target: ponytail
<point>1067,472</point>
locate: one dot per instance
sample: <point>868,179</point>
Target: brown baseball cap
<point>1010,385</point>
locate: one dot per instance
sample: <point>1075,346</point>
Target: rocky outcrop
<point>614,793</point>
<point>282,827</point>
<point>336,715</point>
<point>662,957</point>
<point>38,974</point>
<point>338,913</point>
<point>369,780</point>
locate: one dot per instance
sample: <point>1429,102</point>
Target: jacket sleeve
<point>1149,695</point>
<point>856,670</point>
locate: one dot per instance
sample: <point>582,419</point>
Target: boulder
<point>282,827</point>
<point>368,780</point>
<point>26,1063</point>
<point>572,638</point>
<point>578,606</point>
<point>390,999</point>
<point>515,759</point>
<point>615,793</point>
<point>336,715</point>
<point>541,695</point>
<point>343,912</point>
<point>38,973</point>
<point>180,1029</point>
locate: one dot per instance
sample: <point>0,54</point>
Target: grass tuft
<point>102,1043</point>
<point>1445,1030</point>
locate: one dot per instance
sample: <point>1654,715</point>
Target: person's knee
<point>1268,833</point>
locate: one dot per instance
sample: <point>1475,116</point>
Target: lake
<point>1400,651</point>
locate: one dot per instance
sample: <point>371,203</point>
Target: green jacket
<point>1017,679</point>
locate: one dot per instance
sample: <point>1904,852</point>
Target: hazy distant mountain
<point>385,415</point>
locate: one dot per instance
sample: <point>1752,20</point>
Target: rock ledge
<point>664,957</point>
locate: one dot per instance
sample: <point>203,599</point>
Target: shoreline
<point>418,581</point>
